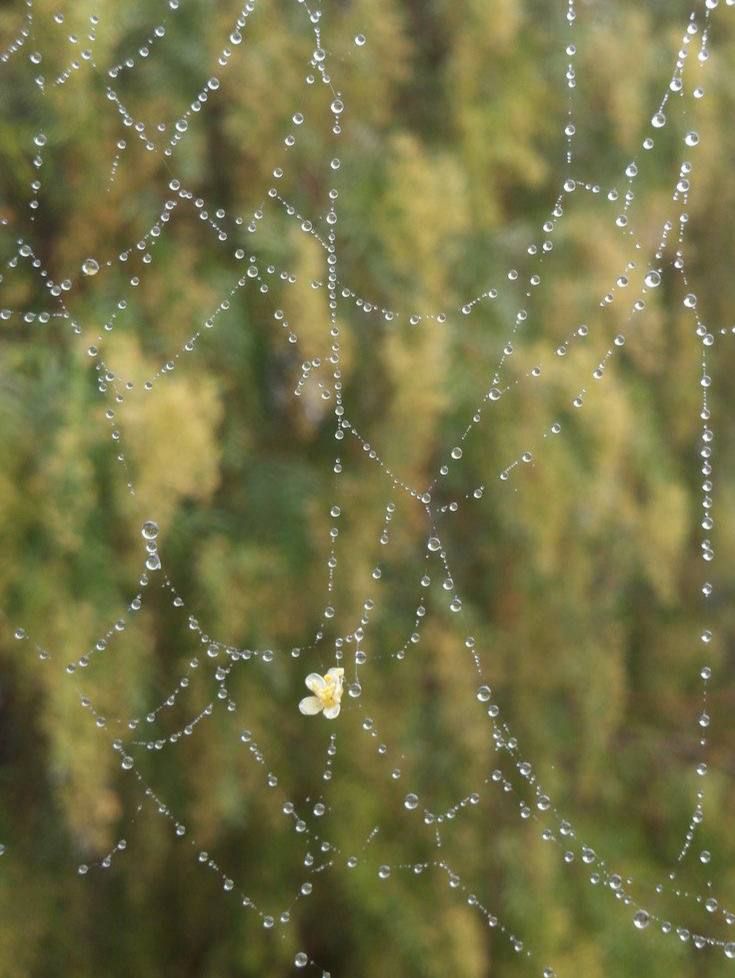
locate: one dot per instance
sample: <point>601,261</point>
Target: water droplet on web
<point>90,266</point>
<point>411,802</point>
<point>705,856</point>
<point>360,40</point>
<point>729,950</point>
<point>301,960</point>
<point>652,279</point>
<point>658,121</point>
<point>149,530</point>
<point>384,872</point>
<point>484,693</point>
<point>641,919</point>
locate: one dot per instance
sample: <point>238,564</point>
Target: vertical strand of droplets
<point>571,79</point>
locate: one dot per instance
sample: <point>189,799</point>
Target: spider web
<point>242,693</point>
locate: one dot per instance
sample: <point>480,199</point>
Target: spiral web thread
<point>637,898</point>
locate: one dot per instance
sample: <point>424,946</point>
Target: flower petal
<point>330,712</point>
<point>310,705</point>
<point>315,682</point>
<point>336,672</point>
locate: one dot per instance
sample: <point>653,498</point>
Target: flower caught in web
<point>327,692</point>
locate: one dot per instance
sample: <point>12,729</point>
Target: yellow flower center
<point>332,692</point>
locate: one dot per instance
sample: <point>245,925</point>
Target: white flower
<point>327,692</point>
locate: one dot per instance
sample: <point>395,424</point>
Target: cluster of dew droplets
<point>534,804</point>
<point>652,280</point>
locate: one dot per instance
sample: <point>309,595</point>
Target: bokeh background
<point>580,576</point>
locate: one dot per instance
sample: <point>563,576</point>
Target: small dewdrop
<point>641,919</point>
<point>327,692</point>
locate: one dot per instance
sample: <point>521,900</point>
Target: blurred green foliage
<point>580,576</point>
